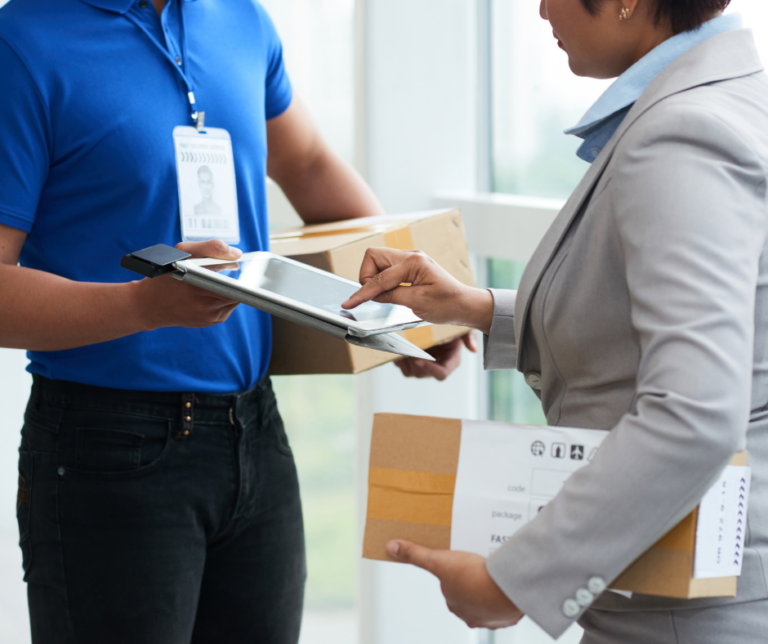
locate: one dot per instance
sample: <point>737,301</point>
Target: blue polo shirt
<point>87,162</point>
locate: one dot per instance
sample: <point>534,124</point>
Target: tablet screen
<point>320,290</point>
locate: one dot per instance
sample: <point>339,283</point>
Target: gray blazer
<point>644,311</point>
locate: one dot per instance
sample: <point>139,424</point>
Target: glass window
<point>510,398</point>
<point>535,98</point>
<point>318,47</point>
<point>319,416</point>
<point>319,411</point>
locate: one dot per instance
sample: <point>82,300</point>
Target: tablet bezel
<point>200,267</point>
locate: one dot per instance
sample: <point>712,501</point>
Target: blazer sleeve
<point>688,198</point>
<point>500,346</point>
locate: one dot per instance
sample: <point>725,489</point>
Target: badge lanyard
<point>198,118</point>
<point>205,166</point>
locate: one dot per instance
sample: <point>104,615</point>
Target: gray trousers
<point>742,623</point>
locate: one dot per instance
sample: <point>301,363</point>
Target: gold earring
<point>624,14</point>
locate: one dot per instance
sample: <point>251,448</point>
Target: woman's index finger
<point>382,282</point>
<point>377,260</point>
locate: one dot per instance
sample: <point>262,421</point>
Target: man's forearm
<point>330,190</point>
<point>319,185</point>
<point>45,312</point>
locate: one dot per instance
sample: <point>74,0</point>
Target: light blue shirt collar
<point>600,122</point>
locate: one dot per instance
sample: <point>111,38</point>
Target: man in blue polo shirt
<point>158,501</point>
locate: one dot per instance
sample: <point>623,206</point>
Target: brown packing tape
<point>399,238</point>
<point>412,497</point>
<point>387,229</point>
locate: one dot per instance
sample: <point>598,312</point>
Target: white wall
<point>14,391</point>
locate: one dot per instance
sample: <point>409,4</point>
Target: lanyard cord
<point>198,118</point>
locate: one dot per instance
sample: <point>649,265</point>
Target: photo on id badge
<point>207,190</point>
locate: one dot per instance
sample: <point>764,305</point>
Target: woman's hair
<point>683,15</point>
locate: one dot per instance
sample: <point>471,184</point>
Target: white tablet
<point>303,288</point>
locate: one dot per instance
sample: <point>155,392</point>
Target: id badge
<point>205,171</point>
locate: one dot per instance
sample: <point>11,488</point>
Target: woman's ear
<point>627,9</point>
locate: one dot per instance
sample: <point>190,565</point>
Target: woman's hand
<point>447,357</point>
<point>469,591</point>
<point>434,295</point>
<point>165,301</point>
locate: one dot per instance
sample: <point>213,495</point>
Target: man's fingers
<point>470,341</point>
<point>410,553</point>
<point>406,366</point>
<point>212,248</point>
<point>432,370</point>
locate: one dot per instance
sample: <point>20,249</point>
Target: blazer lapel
<point>549,244</point>
<point>729,55</point>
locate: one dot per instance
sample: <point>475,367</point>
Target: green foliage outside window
<point>511,399</point>
<point>319,416</point>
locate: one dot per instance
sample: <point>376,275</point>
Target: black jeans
<point>159,518</point>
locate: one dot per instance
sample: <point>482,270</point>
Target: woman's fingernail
<point>393,547</point>
<point>235,251</point>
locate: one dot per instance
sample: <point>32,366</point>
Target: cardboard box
<point>339,248</point>
<point>412,478</point>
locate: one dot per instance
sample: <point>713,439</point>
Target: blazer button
<point>596,585</point>
<point>584,597</point>
<point>571,608</point>
<point>533,379</point>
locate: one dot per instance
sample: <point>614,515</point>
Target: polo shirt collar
<point>118,6</point>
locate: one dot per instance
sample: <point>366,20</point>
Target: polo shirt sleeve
<point>25,143</point>
<point>279,93</point>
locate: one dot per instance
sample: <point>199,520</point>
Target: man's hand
<point>447,358</point>
<point>469,591</point>
<point>412,279</point>
<point>165,301</point>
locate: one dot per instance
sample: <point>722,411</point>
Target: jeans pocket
<point>130,448</point>
<point>107,450</point>
<point>23,503</point>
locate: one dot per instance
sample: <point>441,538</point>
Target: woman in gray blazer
<point>643,311</point>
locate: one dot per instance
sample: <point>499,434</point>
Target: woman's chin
<point>576,67</point>
<point>579,68</point>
